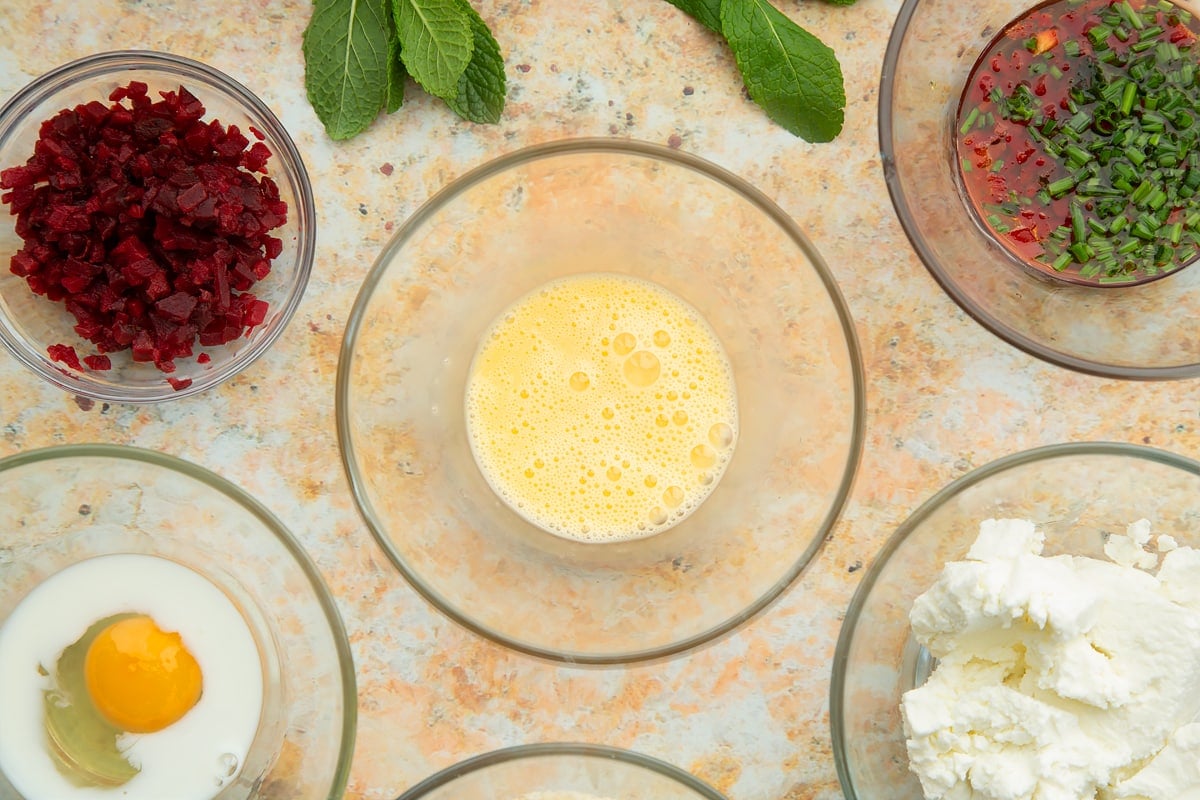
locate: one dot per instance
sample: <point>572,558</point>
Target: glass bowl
<point>65,504</point>
<point>1147,331</point>
<point>30,323</point>
<point>603,206</point>
<point>562,772</point>
<point>1077,493</point>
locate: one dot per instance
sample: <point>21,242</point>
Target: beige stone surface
<point>748,713</point>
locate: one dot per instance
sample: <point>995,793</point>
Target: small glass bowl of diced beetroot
<point>156,226</point>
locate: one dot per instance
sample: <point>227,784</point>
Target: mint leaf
<point>435,43</point>
<point>480,96</point>
<point>397,75</point>
<point>708,12</point>
<point>788,71</point>
<point>346,63</point>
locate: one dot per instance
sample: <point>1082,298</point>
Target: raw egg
<point>127,676</point>
<point>139,677</point>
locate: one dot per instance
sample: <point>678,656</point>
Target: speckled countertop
<point>748,713</point>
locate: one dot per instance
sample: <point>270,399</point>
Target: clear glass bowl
<point>562,772</point>
<point>65,504</point>
<point>1149,331</point>
<point>29,323</point>
<point>1076,493</point>
<point>599,206</point>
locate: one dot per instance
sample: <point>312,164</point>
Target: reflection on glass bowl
<point>1147,331</point>
<point>1077,494</point>
<point>599,206</point>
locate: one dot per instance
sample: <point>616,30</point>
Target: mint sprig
<point>480,93</point>
<point>794,76</point>
<point>346,63</point>
<point>359,53</point>
<point>435,42</point>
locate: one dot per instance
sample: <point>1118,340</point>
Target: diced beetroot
<point>131,89</point>
<point>177,307</point>
<point>64,354</point>
<point>256,313</point>
<point>255,159</point>
<point>143,346</point>
<point>191,197</point>
<point>148,223</point>
<point>18,177</point>
<point>93,113</point>
<point>23,264</point>
<point>232,145</point>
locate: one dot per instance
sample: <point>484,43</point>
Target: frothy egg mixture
<point>127,676</point>
<point>601,407</point>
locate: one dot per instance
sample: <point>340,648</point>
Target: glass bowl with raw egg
<point>1031,630</point>
<point>162,635</point>
<point>1044,163</point>
<point>600,401</point>
<point>562,771</point>
<point>158,226</point>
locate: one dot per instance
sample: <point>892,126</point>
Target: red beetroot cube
<point>64,354</point>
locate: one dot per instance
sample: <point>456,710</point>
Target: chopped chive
<point>1097,34</point>
<point>1128,95</point>
<point>970,121</point>
<point>1059,187</point>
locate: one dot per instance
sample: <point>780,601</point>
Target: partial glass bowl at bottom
<point>1076,493</point>
<point>63,505</point>
<point>562,772</point>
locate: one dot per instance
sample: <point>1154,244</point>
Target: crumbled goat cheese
<point>1058,677</point>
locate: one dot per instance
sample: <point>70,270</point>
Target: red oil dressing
<point>1077,140</point>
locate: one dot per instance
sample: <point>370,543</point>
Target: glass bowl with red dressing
<point>157,228</point>
<point>1042,160</point>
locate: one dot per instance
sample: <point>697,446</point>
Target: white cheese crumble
<point>1061,677</point>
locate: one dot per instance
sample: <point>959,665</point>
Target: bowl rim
<point>16,112</point>
<point>990,323</point>
<point>837,683</point>
<point>341,775</point>
<point>516,753</point>
<point>626,147</point>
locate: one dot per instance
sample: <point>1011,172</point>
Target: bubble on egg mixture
<point>601,407</point>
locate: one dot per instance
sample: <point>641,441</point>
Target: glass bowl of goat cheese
<point>1031,631</point>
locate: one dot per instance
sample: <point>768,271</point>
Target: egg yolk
<point>139,677</point>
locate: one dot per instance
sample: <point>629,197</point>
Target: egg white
<point>183,761</point>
